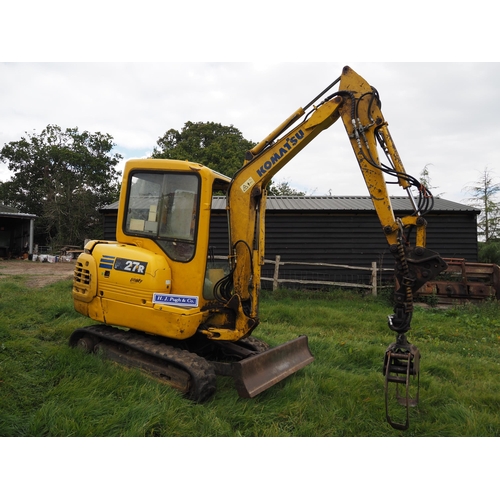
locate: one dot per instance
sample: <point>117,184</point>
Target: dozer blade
<point>257,373</point>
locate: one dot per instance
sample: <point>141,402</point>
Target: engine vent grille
<point>81,275</point>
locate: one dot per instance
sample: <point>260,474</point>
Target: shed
<point>338,230</point>
<point>16,232</point>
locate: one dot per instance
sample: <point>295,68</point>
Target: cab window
<point>164,208</point>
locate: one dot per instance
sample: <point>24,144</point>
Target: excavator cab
<point>164,206</point>
<point>149,279</point>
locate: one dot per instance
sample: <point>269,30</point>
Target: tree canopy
<point>63,177</point>
<point>219,147</point>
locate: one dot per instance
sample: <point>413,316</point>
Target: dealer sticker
<point>175,300</point>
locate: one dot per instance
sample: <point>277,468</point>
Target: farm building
<point>340,230</point>
<point>16,232</point>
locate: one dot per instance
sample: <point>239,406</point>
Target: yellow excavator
<point>163,303</point>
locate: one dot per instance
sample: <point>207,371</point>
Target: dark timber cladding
<point>346,230</point>
<point>338,230</point>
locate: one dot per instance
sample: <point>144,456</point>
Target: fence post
<point>374,279</point>
<point>276,272</point>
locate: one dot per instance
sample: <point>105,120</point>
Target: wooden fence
<point>372,285</point>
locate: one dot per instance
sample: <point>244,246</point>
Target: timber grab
<point>160,281</point>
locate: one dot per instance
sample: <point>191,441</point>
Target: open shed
<point>16,232</point>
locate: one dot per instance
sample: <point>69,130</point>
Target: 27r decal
<point>131,266</point>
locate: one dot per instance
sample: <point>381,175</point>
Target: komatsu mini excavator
<point>164,304</point>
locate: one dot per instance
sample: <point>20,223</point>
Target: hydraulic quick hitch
<point>401,361</point>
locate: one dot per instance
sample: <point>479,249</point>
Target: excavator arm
<point>358,105</point>
<point>367,128</point>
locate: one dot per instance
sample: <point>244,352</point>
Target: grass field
<point>48,389</point>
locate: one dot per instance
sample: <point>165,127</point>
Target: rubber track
<point>203,379</point>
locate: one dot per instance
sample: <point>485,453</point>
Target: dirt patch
<point>38,274</point>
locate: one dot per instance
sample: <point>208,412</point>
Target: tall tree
<point>483,196</point>
<point>425,180</point>
<point>425,177</point>
<point>219,147</point>
<point>63,177</point>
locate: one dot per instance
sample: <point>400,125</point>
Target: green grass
<point>48,389</point>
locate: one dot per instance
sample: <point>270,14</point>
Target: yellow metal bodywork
<point>118,297</point>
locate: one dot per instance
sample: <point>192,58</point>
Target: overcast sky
<point>444,115</point>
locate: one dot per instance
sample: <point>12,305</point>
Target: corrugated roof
<point>336,203</point>
<point>346,203</point>
<point>6,211</point>
<point>111,206</point>
<point>10,215</point>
